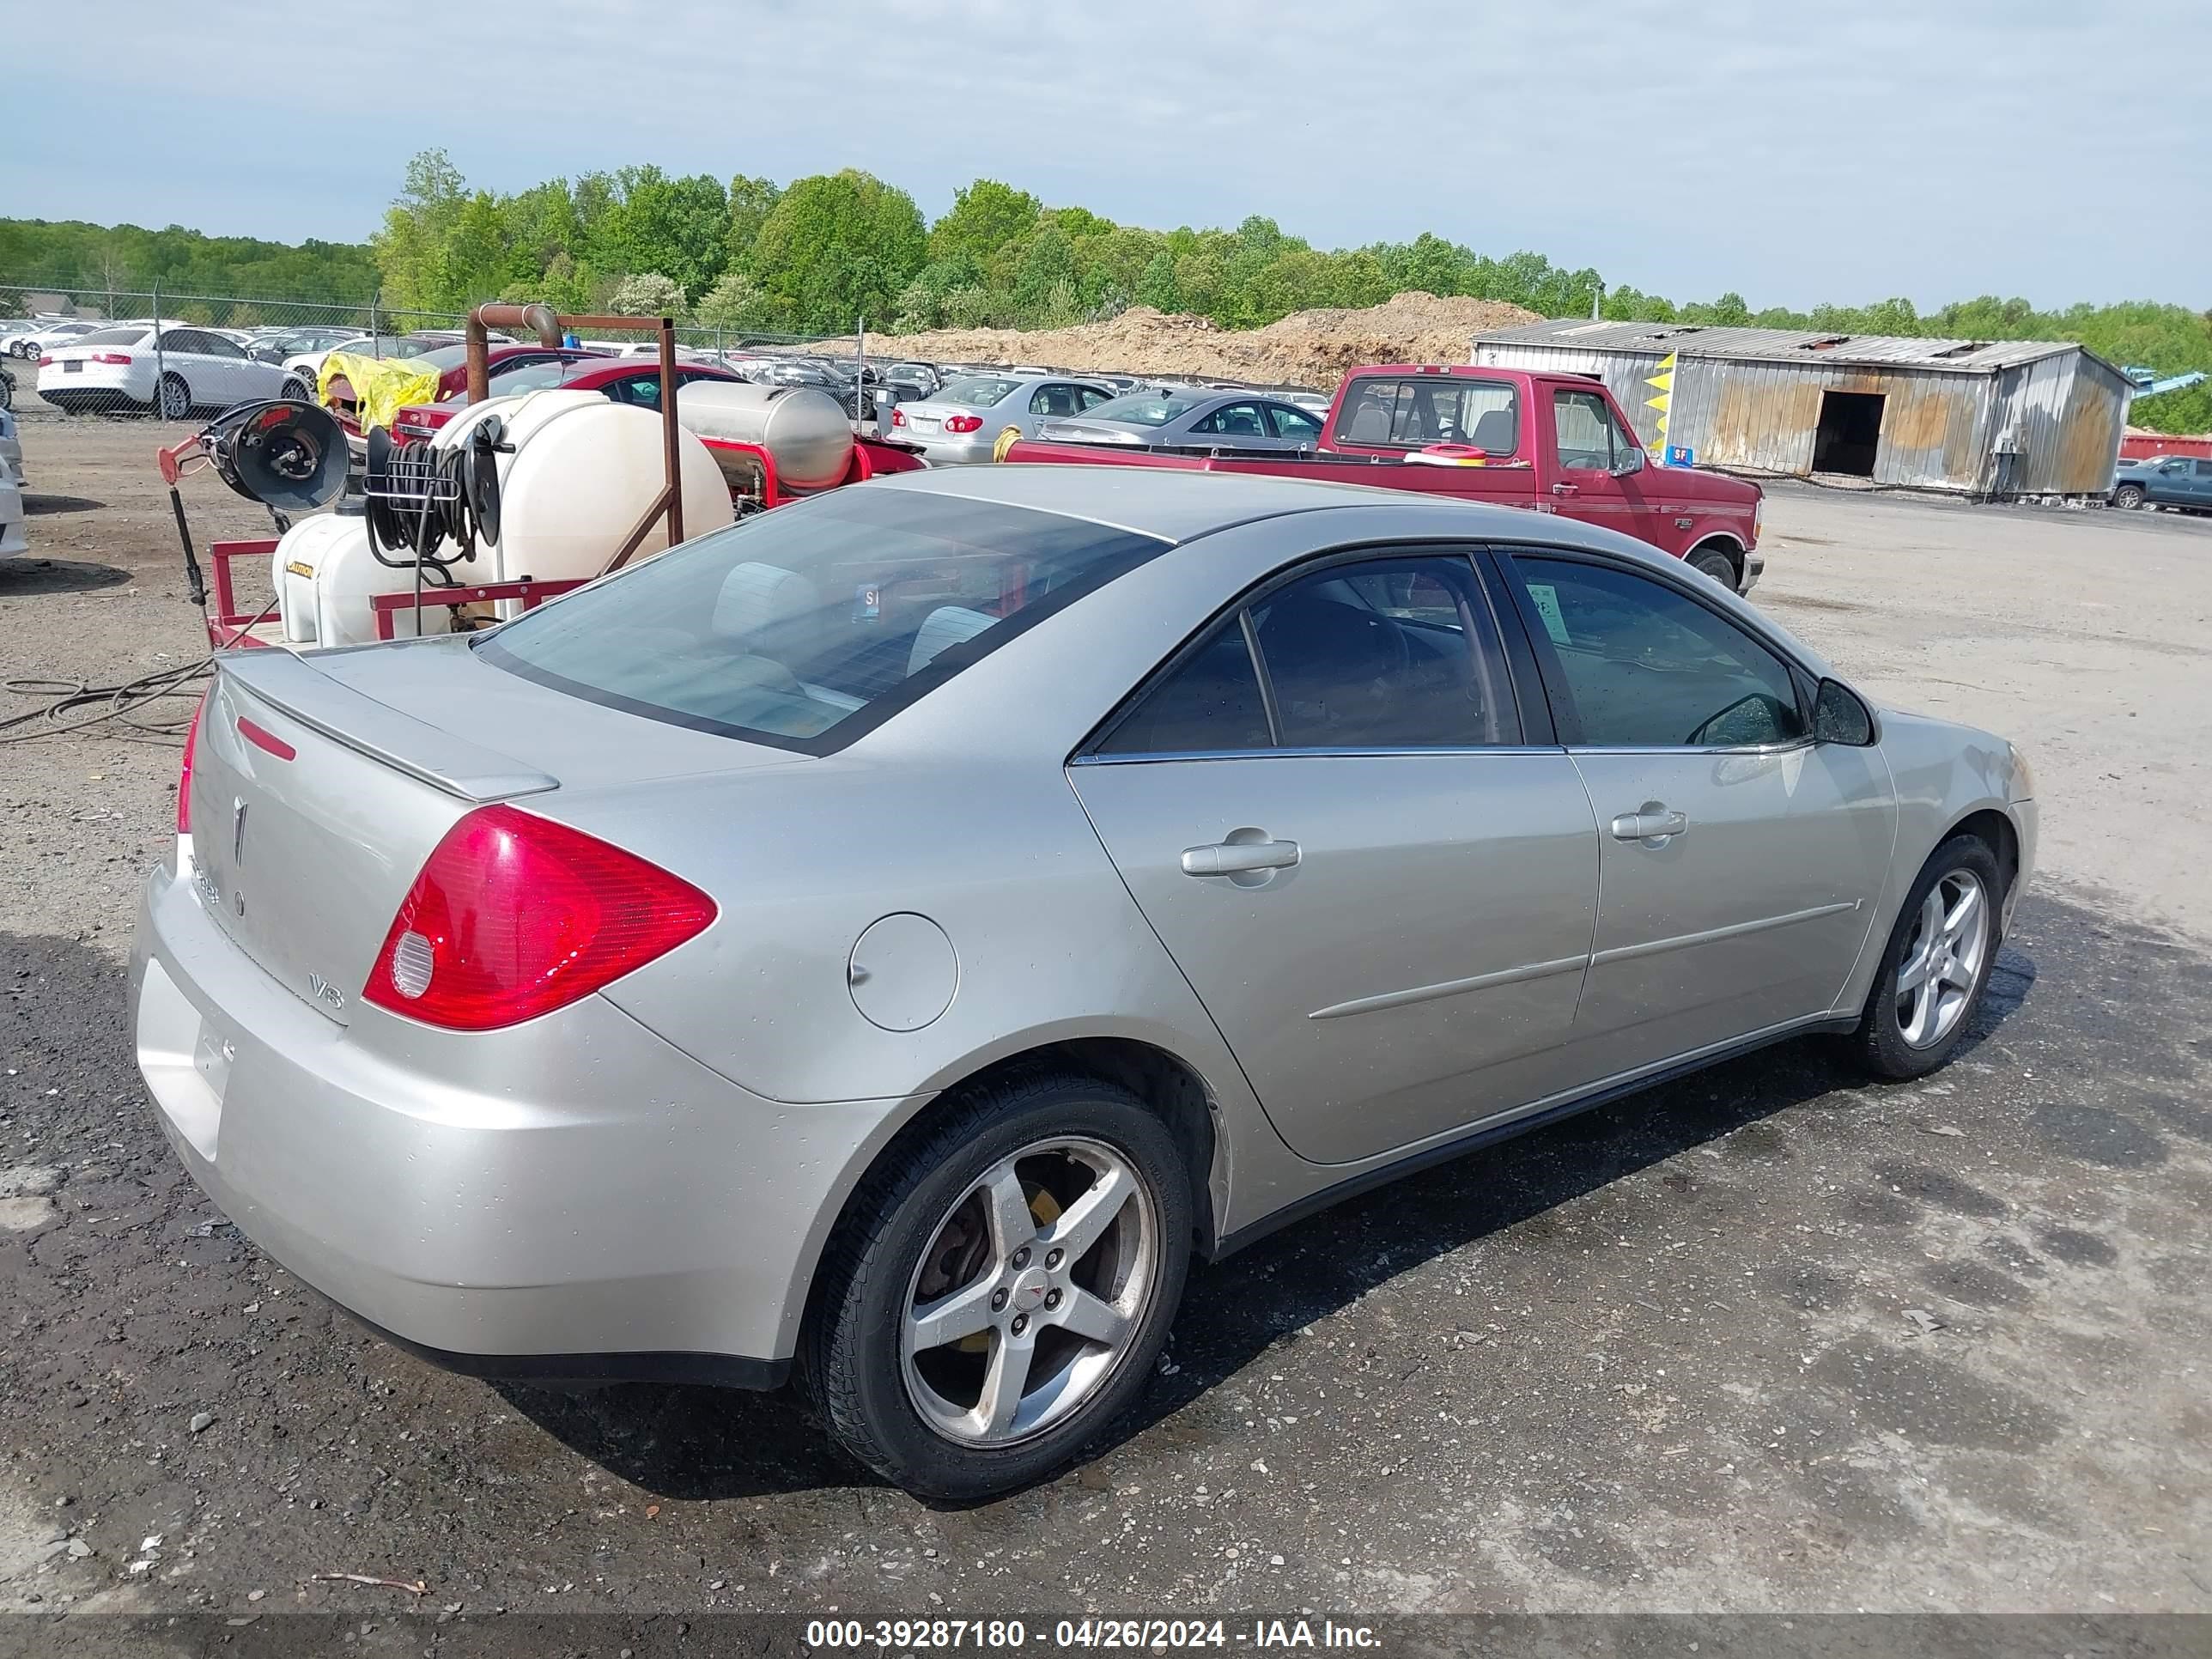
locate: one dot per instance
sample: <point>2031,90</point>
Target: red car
<point>623,379</point>
<point>452,363</point>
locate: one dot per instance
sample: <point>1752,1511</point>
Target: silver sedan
<point>961,423</point>
<point>895,935</point>
<point>1181,417</point>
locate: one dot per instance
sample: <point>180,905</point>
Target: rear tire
<point>923,1232</point>
<point>1937,964</point>
<point>2128,497</point>
<point>172,399</point>
<point>1717,564</point>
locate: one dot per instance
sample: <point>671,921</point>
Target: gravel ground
<point>1765,1340</point>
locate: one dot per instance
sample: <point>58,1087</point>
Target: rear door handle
<point>1654,822</point>
<point>1235,858</point>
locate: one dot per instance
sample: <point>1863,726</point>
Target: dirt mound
<point>1307,348</point>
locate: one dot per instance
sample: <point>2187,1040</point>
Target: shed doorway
<point>1849,434</point>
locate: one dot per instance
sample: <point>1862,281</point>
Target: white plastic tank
<point>803,427</point>
<point>581,477</point>
<point>323,574</point>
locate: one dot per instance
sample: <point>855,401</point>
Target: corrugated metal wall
<point>2063,416</point>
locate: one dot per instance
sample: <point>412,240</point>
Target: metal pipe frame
<point>550,326</point>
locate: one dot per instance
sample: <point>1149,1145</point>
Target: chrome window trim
<point>1307,754</point>
<point>1753,749</point>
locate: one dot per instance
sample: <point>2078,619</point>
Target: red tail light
<point>898,415</point>
<point>185,772</point>
<point>964,422</point>
<point>45,362</point>
<point>119,358</point>
<point>514,916</point>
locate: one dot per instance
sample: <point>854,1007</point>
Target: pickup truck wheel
<point>1715,564</point>
<point>2128,495</point>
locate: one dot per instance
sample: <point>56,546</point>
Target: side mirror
<point>1630,463</point>
<point>1840,715</point>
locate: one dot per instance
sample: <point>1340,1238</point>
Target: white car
<point>181,369</point>
<point>11,447</point>
<point>308,364</point>
<point>53,333</point>
<point>12,538</point>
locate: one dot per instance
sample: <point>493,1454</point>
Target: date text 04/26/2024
<point>912,1635</point>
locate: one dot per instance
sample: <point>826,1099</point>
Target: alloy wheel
<point>1033,1288</point>
<point>1942,959</point>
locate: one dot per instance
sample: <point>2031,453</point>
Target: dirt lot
<point>1763,1340</point>
<point>1307,348</point>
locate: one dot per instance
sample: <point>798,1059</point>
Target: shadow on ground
<point>2113,1009</point>
<point>36,506</point>
<point>22,578</point>
<point>690,1443</point>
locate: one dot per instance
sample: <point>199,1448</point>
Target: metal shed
<point>2004,418</point>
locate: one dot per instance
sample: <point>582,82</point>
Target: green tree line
<point>818,255</point>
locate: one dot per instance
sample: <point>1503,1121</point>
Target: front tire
<point>1937,964</point>
<point>1717,564</point>
<point>294,391</point>
<point>2128,497</point>
<point>995,1298</point>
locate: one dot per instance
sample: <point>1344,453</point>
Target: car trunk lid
<point>320,785</point>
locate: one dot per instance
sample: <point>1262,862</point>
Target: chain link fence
<point>151,353</point>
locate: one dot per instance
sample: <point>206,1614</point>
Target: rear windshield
<point>810,625</point>
<point>113,336</point>
<point>979,392</point>
<point>442,358</point>
<point>1143,409</point>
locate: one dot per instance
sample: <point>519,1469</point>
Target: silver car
<point>1177,417</point>
<point>893,935</point>
<point>961,422</point>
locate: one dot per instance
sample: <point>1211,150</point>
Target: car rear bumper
<point>587,1202</point>
<point>955,452</point>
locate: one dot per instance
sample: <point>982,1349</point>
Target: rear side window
<point>1383,654</point>
<point>1415,410</point>
<point>806,627</point>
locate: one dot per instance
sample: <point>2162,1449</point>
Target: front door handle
<point>1238,858</point>
<point>1653,823</point>
<point>1566,489</point>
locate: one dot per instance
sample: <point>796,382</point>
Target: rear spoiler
<point>294,686</point>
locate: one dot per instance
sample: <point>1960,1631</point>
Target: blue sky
<point>1794,152</point>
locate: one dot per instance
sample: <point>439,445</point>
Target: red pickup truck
<point>1552,443</point>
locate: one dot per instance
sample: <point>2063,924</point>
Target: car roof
<point>1179,505</point>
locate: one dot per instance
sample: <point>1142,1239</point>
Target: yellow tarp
<point>381,385</point>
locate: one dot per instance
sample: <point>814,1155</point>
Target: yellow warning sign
<point>1662,384</point>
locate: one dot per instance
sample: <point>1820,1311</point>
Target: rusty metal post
<point>669,450</point>
<point>475,337</point>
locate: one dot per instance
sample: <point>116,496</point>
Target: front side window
<point>1587,436</point>
<point>1060,402</point>
<point>1382,653</point>
<point>1416,410</point>
<point>1235,419</point>
<point>806,627</point>
<point>1631,663</point>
